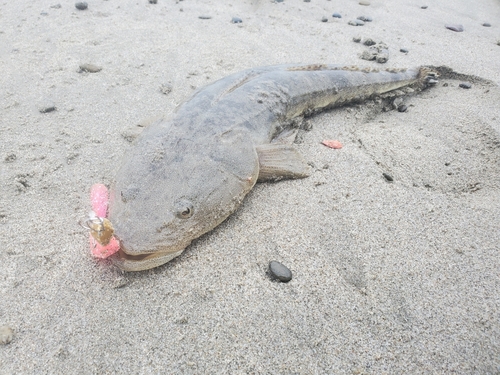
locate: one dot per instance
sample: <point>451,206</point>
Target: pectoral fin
<point>280,161</point>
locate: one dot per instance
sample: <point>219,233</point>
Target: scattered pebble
<point>279,271</point>
<point>402,108</point>
<point>90,68</point>
<point>378,52</point>
<point>498,42</point>
<point>166,88</point>
<point>356,23</point>
<point>204,17</point>
<point>47,108</point>
<point>365,3</point>
<point>81,5</point>
<point>7,334</point>
<point>487,24</point>
<point>307,1</point>
<point>236,20</point>
<point>404,50</point>
<point>365,18</point>
<point>356,39</point>
<point>10,158</point>
<point>336,15</point>
<point>153,1</point>
<point>332,143</point>
<point>454,27</point>
<point>56,6</point>
<point>324,19</point>
<point>424,7</point>
<point>388,177</point>
<point>369,42</point>
<point>465,85</point>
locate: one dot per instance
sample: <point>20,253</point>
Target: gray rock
<point>90,68</point>
<point>369,42</point>
<point>204,17</point>
<point>324,19</point>
<point>356,23</point>
<point>487,24</point>
<point>388,177</point>
<point>46,108</point>
<point>465,85</point>
<point>336,15</point>
<point>424,7</point>
<point>153,1</point>
<point>356,39</point>
<point>365,18</point>
<point>236,20</point>
<point>279,271</point>
<point>6,335</point>
<point>402,108</point>
<point>81,5</point>
<point>404,50</point>
<point>454,27</point>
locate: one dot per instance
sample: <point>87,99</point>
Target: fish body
<point>187,174</point>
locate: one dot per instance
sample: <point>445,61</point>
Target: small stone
<point>279,271</point>
<point>498,42</point>
<point>388,177</point>
<point>454,27</point>
<point>10,158</point>
<point>369,42</point>
<point>356,39</point>
<point>487,24</point>
<point>397,102</point>
<point>153,1</point>
<point>166,88</point>
<point>307,1</point>
<point>7,334</point>
<point>356,23</point>
<point>369,55</point>
<point>365,3</point>
<point>278,1</point>
<point>336,15</point>
<point>47,108</point>
<point>403,50</point>
<point>465,85</point>
<point>204,17</point>
<point>82,5</point>
<point>324,19</point>
<point>236,20</point>
<point>365,18</point>
<point>402,108</point>
<point>90,68</point>
<point>424,7</point>
<point>56,6</point>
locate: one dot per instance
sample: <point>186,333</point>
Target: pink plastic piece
<point>332,143</point>
<point>99,201</point>
<point>103,252</point>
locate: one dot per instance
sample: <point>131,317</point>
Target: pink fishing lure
<point>99,199</point>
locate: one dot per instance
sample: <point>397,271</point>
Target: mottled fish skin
<point>187,174</point>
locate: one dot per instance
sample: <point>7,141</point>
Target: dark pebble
<point>487,24</point>
<point>458,28</point>
<point>236,20</point>
<point>324,19</point>
<point>47,108</point>
<point>278,1</point>
<point>404,50</point>
<point>402,108</point>
<point>388,177</point>
<point>336,15</point>
<point>10,158</point>
<point>365,18</point>
<point>90,68</point>
<point>356,39</point>
<point>465,85</point>
<point>81,5</point>
<point>424,7</point>
<point>204,17</point>
<point>307,1</point>
<point>153,1</point>
<point>364,2</point>
<point>56,6</point>
<point>369,42</point>
<point>279,271</point>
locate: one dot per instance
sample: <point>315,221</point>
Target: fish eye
<point>184,209</point>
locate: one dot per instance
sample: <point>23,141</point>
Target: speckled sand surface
<point>400,277</point>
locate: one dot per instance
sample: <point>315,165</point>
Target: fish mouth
<point>140,262</point>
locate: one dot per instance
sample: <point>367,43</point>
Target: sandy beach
<point>389,277</point>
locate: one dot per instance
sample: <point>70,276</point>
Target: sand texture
<point>388,277</point>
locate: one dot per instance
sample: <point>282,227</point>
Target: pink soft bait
<point>101,229</point>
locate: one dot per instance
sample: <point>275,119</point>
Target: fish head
<point>166,195</point>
